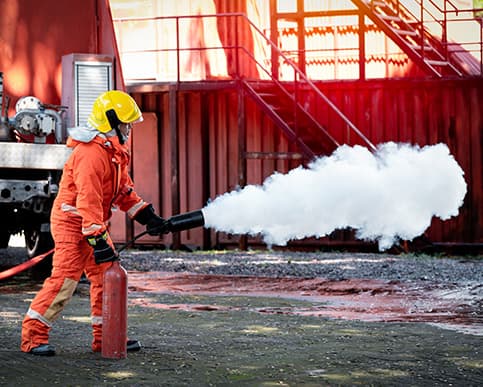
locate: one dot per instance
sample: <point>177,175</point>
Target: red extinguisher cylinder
<point>114,313</point>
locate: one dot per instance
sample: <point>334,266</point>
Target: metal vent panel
<point>91,79</point>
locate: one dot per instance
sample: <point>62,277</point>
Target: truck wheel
<point>37,243</point>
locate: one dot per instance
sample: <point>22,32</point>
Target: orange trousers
<point>72,257</point>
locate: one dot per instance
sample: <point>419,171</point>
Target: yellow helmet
<point>112,108</point>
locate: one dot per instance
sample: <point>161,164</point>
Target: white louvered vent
<point>91,79</point>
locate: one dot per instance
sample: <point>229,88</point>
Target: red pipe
<point>24,266</point>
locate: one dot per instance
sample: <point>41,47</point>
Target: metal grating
<point>91,79</point>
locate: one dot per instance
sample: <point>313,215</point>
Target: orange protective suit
<point>94,179</point>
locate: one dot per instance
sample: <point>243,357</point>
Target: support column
<point>242,161</point>
<point>362,47</point>
<point>174,172</point>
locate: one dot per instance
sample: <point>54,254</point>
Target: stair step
<point>405,32</point>
<point>280,110</point>
<point>377,3</point>
<point>417,47</point>
<point>269,97</point>
<point>436,62</point>
<point>389,17</point>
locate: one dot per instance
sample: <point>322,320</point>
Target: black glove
<point>103,251</point>
<point>155,225</point>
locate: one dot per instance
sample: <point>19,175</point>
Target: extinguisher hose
<point>124,246</point>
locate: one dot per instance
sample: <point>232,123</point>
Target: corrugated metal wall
<point>427,112</point>
<point>206,144</point>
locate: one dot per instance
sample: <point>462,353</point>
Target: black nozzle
<point>185,221</point>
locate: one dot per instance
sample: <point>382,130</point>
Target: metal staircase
<point>408,32</point>
<point>298,124</point>
<point>284,103</point>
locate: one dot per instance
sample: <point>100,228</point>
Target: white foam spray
<point>385,196</point>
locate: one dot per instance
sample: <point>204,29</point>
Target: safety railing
<point>449,23</point>
<point>190,47</point>
<point>242,63</point>
<point>163,59</point>
<point>300,78</point>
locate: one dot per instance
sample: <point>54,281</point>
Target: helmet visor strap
<point>122,137</point>
<point>115,122</point>
<point>112,118</point>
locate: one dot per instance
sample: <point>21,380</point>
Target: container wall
<point>416,112</point>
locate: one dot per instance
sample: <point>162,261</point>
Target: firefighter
<point>94,179</point>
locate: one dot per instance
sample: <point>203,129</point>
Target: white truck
<point>32,155</point>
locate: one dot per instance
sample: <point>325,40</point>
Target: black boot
<point>43,350</point>
<point>133,346</point>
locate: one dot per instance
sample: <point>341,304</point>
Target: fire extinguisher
<point>114,312</point>
<point>114,298</point>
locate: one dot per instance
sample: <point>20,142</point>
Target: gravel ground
<point>330,265</point>
<point>218,339</point>
<point>308,265</point>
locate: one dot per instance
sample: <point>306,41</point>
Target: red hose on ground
<point>24,266</point>
<point>33,261</point>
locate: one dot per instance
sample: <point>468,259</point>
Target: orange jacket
<point>94,179</point>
